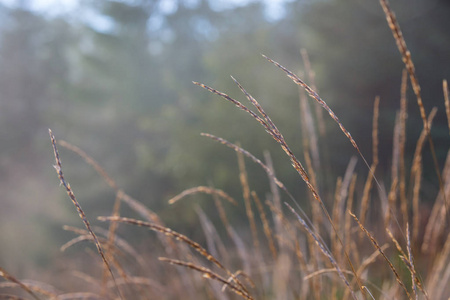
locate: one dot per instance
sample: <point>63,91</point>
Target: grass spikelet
<point>134,204</point>
<point>238,104</point>
<point>401,45</point>
<point>273,131</point>
<point>377,246</point>
<point>270,173</point>
<point>310,147</point>
<point>407,258</point>
<point>207,273</point>
<point>316,97</point>
<point>411,262</point>
<point>259,108</point>
<point>396,243</point>
<point>312,79</point>
<point>246,277</point>
<point>406,57</point>
<point>205,190</point>
<point>168,232</point>
<point>58,168</point>
<point>178,236</point>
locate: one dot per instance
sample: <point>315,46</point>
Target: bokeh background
<point>115,79</point>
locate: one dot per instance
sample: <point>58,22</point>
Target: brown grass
<point>287,251</point>
<point>407,60</point>
<point>58,168</point>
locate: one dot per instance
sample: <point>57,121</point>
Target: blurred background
<point>115,79</point>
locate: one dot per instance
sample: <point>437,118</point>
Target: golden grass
<point>291,253</point>
<point>203,189</point>
<point>377,246</point>
<point>407,60</point>
<point>58,168</point>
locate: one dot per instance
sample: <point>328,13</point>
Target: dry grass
<point>287,252</point>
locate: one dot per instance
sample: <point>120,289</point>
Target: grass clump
<point>331,252</point>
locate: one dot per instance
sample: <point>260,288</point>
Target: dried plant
<point>288,252</point>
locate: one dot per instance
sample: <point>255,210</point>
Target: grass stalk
<point>205,190</point>
<point>13,279</point>
<point>266,226</point>
<point>324,250</point>
<point>169,232</point>
<point>403,115</point>
<point>368,186</point>
<point>206,273</point>
<point>407,60</point>
<point>58,168</point>
<point>248,203</point>
<point>377,247</point>
<point>270,127</point>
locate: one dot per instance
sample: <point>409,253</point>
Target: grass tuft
<point>287,252</point>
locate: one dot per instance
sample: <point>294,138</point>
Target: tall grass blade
<point>406,57</point>
<point>377,246</point>
<point>207,273</point>
<point>273,131</point>
<point>58,168</point>
<point>178,236</point>
<point>323,249</point>
<point>11,278</point>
